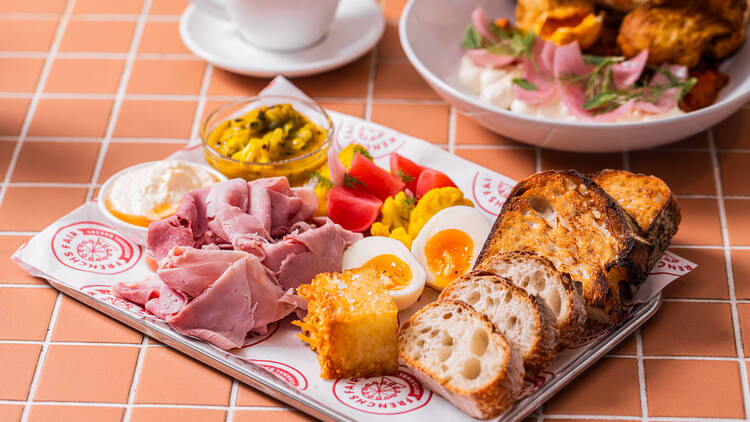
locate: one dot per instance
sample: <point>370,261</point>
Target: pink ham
<point>191,271</point>
<point>298,257</point>
<point>168,303</point>
<point>139,292</point>
<point>185,228</point>
<point>481,24</point>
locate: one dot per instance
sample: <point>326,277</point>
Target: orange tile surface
<point>20,75</point>
<point>17,364</point>
<point>19,323</point>
<point>96,76</point>
<point>77,322</point>
<point>67,162</point>
<point>692,388</point>
<point>189,382</point>
<point>71,117</point>
<point>27,35</point>
<point>75,413</point>
<point>98,36</point>
<point>690,367</point>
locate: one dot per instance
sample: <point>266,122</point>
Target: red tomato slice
<point>430,179</point>
<point>406,170</point>
<point>373,179</point>
<point>354,210</point>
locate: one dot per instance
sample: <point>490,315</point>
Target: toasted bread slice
<point>458,354</point>
<point>649,201</point>
<point>539,277</point>
<point>524,320</point>
<point>570,220</point>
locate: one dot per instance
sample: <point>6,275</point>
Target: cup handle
<point>213,7</point>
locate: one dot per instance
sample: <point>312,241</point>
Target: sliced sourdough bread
<point>570,220</point>
<point>649,201</point>
<point>539,277</point>
<point>524,320</point>
<point>458,354</point>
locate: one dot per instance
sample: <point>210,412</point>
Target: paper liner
<point>81,251</point>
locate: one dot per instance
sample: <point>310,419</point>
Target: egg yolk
<point>398,271</point>
<point>161,211</point>
<point>448,254</point>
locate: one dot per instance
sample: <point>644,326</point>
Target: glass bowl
<point>297,169</point>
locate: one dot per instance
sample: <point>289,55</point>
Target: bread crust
<point>573,322</point>
<point>659,228</point>
<point>543,348</point>
<point>606,285</point>
<point>493,398</point>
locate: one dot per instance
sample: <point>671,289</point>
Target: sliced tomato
<point>430,179</point>
<point>354,210</point>
<point>406,170</point>
<point>367,176</point>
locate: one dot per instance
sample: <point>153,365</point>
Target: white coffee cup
<point>275,24</point>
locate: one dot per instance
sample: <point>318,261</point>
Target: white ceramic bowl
<point>431,33</point>
<point>132,232</point>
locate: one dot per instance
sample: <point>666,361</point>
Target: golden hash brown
<point>568,219</point>
<point>351,324</point>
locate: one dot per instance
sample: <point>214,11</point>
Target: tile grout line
<point>729,270</point>
<point>641,374</point>
<point>124,80</point>
<point>371,80</point>
<point>136,378</point>
<point>43,353</point>
<point>232,400</point>
<point>452,130</point>
<point>200,108</point>
<point>46,69</point>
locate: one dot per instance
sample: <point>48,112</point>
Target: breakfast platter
<point>216,266</point>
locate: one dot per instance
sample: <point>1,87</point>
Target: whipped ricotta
<point>153,192</point>
<point>495,87</point>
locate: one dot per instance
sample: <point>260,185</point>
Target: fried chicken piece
<point>706,90</point>
<point>683,31</point>
<point>561,21</point>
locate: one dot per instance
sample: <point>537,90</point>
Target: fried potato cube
<point>351,324</point>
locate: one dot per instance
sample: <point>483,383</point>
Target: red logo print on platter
<point>386,395</point>
<point>102,293</point>
<point>288,373</point>
<point>94,248</point>
<point>489,191</point>
<point>379,142</point>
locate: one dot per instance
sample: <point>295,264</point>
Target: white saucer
<point>357,26</point>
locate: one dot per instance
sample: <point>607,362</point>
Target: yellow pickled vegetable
<point>402,220</point>
<point>432,202</point>
<point>267,134</point>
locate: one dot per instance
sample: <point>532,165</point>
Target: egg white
<point>459,217</point>
<point>363,250</point>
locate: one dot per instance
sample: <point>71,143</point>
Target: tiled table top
<point>88,87</point>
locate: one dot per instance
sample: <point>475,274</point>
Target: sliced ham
<point>139,292</point>
<point>300,256</point>
<point>191,271</point>
<point>186,227</point>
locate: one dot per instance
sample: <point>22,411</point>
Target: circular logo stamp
<point>379,142</point>
<point>386,395</point>
<point>490,191</point>
<point>94,248</point>
<point>103,294</point>
<point>532,384</point>
<point>286,372</point>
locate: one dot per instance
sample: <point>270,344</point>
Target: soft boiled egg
<point>392,258</point>
<point>449,243</point>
